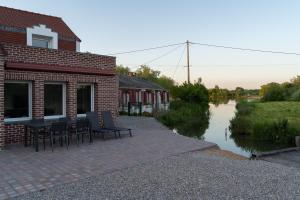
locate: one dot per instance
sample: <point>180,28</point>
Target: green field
<point>274,121</point>
<point>272,111</point>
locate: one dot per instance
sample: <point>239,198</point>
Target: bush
<point>296,95</point>
<point>273,92</point>
<point>189,119</point>
<point>193,93</point>
<point>277,131</point>
<point>240,125</point>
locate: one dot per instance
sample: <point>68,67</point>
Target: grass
<point>273,111</point>
<point>278,122</point>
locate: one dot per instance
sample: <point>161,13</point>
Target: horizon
<point>114,26</point>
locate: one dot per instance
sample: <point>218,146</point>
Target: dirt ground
<point>219,152</point>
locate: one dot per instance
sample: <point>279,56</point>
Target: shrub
<point>193,93</point>
<point>273,92</point>
<point>296,95</point>
<point>277,131</point>
<point>240,125</point>
<point>189,119</point>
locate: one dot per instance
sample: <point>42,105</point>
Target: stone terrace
<point>22,170</point>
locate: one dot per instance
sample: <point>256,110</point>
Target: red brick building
<point>141,95</point>
<point>43,74</point>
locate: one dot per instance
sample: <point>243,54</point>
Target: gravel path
<point>186,176</point>
<point>291,159</point>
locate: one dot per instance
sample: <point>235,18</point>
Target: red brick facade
<point>13,37</point>
<point>19,62</point>
<point>106,87</point>
<point>2,132</point>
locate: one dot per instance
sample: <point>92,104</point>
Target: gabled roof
<point>133,82</point>
<point>22,19</point>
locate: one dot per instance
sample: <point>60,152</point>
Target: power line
<point>163,55</point>
<point>179,62</point>
<point>147,49</point>
<point>245,49</point>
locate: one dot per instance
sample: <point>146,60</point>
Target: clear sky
<point>117,25</point>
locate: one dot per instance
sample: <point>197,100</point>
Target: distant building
<point>141,95</point>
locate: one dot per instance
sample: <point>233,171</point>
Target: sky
<point>107,27</point>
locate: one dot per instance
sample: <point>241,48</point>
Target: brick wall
<point>25,54</point>
<point>20,39</point>
<point>13,37</point>
<point>2,132</point>
<point>66,45</point>
<point>106,95</point>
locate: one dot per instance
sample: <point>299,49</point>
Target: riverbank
<point>216,151</point>
<point>277,122</point>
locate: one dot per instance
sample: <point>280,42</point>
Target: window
<point>85,99</point>
<point>41,41</point>
<point>54,100</point>
<point>17,100</point>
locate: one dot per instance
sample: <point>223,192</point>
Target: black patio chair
<point>95,126</point>
<point>108,124</point>
<point>83,128</point>
<point>42,133</point>
<point>59,130</point>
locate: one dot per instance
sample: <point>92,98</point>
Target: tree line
<point>287,91</point>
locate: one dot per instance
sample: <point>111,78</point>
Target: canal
<point>218,131</point>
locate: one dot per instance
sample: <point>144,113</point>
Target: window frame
<point>64,99</point>
<point>16,119</point>
<point>92,97</point>
<point>42,38</point>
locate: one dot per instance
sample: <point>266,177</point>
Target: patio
<point>23,170</point>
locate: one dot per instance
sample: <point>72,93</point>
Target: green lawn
<point>274,121</point>
<point>271,111</point>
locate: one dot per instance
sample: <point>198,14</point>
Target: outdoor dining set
<point>63,130</point>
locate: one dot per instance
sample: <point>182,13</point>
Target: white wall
<point>42,30</point>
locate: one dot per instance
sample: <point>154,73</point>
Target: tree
<point>166,82</point>
<point>193,93</point>
<point>239,92</point>
<point>272,92</point>
<point>296,81</point>
<point>146,72</point>
<point>122,70</point>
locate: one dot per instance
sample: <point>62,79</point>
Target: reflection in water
<point>218,131</point>
<point>195,124</point>
<point>212,125</point>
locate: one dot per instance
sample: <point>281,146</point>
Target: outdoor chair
<point>108,124</point>
<point>42,133</point>
<point>59,130</point>
<point>82,128</point>
<point>95,127</point>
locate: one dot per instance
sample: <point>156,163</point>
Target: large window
<point>17,101</point>
<point>41,41</point>
<point>54,100</point>
<point>85,99</point>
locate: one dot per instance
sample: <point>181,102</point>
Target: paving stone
<point>20,166</point>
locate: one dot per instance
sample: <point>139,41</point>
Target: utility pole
<point>188,60</point>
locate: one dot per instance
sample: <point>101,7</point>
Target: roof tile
<point>23,19</point>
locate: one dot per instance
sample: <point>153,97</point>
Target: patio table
<point>35,127</point>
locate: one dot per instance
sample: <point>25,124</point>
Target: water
<point>218,131</point>
<point>214,127</point>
